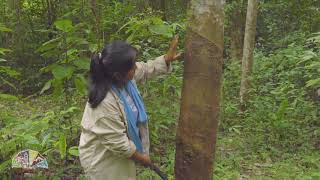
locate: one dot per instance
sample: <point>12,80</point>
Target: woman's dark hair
<point>109,67</point>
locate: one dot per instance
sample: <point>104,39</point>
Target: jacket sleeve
<point>112,134</point>
<point>146,70</point>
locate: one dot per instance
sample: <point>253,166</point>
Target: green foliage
<point>49,133</point>
<point>67,48</point>
<point>6,72</point>
<point>282,104</point>
<point>3,28</point>
<point>8,97</point>
<point>148,32</point>
<point>277,138</point>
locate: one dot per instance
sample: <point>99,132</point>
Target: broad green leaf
<point>45,140</point>
<point>4,29</point>
<point>8,83</point>
<point>9,97</point>
<point>162,29</point>
<point>9,71</point>
<point>48,68</point>
<point>4,50</point>
<point>53,43</point>
<point>60,72</point>
<point>72,51</point>
<point>39,126</point>
<point>64,25</point>
<point>4,165</point>
<point>313,83</point>
<point>74,151</point>
<point>58,88</point>
<point>2,60</point>
<point>62,146</point>
<point>81,84</point>
<point>46,87</point>
<point>69,111</point>
<point>82,63</point>
<point>30,139</point>
<point>93,47</point>
<point>76,40</point>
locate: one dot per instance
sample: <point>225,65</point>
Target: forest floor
<point>235,158</point>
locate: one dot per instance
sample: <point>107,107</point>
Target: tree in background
<point>197,129</point>
<point>235,25</point>
<point>248,47</point>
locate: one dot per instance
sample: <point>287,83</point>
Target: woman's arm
<point>151,68</point>
<point>160,65</point>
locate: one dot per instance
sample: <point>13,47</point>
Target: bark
<point>236,34</point>
<point>18,32</point>
<point>97,28</point>
<point>198,122</point>
<point>51,16</point>
<point>160,5</point>
<point>249,41</point>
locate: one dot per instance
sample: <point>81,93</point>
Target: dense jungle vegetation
<point>45,49</point>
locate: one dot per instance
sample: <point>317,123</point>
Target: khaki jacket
<point>104,145</point>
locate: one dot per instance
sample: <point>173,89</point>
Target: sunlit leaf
<point>82,63</point>
<point>81,84</point>
<point>162,29</point>
<point>4,50</point>
<point>9,71</point>
<point>4,29</point>
<point>60,72</point>
<point>8,97</point>
<point>62,146</point>
<point>53,43</point>
<point>74,151</point>
<point>64,25</point>
<point>58,88</point>
<point>313,83</point>
<point>4,165</point>
<point>45,87</point>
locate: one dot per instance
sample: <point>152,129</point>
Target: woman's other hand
<point>143,159</point>
<point>172,52</point>
<point>146,161</point>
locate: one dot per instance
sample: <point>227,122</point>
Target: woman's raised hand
<point>172,52</point>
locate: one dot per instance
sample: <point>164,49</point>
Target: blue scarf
<point>132,121</point>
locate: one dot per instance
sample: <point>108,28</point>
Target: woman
<point>114,125</point>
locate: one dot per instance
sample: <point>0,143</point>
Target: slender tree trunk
<point>97,28</point>
<point>197,129</point>
<point>51,17</point>
<point>18,32</point>
<point>248,47</point>
<point>236,34</point>
<point>184,3</point>
<point>159,5</point>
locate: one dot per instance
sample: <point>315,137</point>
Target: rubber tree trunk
<point>199,113</point>
<point>248,47</point>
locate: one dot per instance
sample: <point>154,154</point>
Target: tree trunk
<point>160,5</point>
<point>97,27</point>
<point>197,128</point>
<point>18,32</point>
<point>236,34</point>
<point>51,16</point>
<point>248,47</point>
